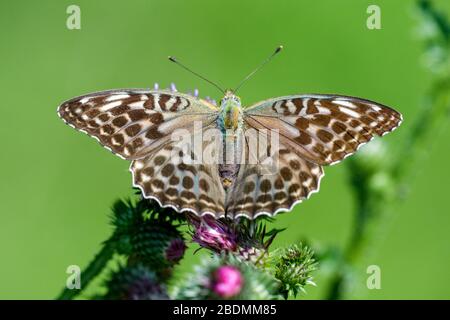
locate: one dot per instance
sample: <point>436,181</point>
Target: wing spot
<point>302,123</point>
<point>286,173</point>
<point>158,183</point>
<point>106,130</point>
<point>249,187</point>
<point>324,135</point>
<point>294,188</point>
<point>265,185</point>
<point>104,117</point>
<point>159,160</point>
<point>188,183</point>
<point>204,185</point>
<point>137,115</point>
<point>120,121</point>
<point>321,120</point>
<point>174,180</point>
<point>133,130</point>
<point>148,171</point>
<point>117,139</point>
<point>156,118</point>
<point>167,170</point>
<point>338,127</point>
<point>153,133</point>
<point>280,196</point>
<point>172,192</point>
<point>279,184</point>
<point>294,164</point>
<point>304,138</point>
<point>312,109</point>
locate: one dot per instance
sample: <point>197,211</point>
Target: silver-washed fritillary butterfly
<point>313,130</point>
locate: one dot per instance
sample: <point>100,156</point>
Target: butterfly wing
<point>323,128</point>
<point>313,130</point>
<point>171,176</point>
<point>133,122</point>
<point>266,188</point>
<point>138,125</point>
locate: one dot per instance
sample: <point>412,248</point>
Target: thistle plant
<point>153,241</point>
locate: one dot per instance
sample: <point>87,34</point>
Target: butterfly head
<point>231,110</point>
<point>230,99</point>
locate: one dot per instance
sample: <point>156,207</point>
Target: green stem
<point>369,206</point>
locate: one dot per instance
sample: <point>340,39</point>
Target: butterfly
<point>313,130</point>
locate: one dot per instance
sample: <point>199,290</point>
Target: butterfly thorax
<point>230,111</point>
<point>230,122</point>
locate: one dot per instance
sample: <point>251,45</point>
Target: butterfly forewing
<point>325,128</point>
<point>131,123</point>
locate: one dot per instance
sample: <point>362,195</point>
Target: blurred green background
<point>57,185</point>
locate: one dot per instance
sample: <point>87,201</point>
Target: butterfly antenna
<point>173,59</point>
<point>277,50</point>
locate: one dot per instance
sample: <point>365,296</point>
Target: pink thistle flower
<point>228,282</point>
<point>214,234</point>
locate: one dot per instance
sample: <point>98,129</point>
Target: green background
<point>57,185</point>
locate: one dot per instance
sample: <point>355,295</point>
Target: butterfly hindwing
<point>324,128</point>
<point>132,122</point>
<point>170,176</point>
<point>261,189</point>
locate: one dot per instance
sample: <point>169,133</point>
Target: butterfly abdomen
<point>230,122</point>
<point>228,174</point>
<point>231,154</point>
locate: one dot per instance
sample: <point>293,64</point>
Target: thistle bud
<point>134,283</point>
<point>157,246</point>
<point>293,267</point>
